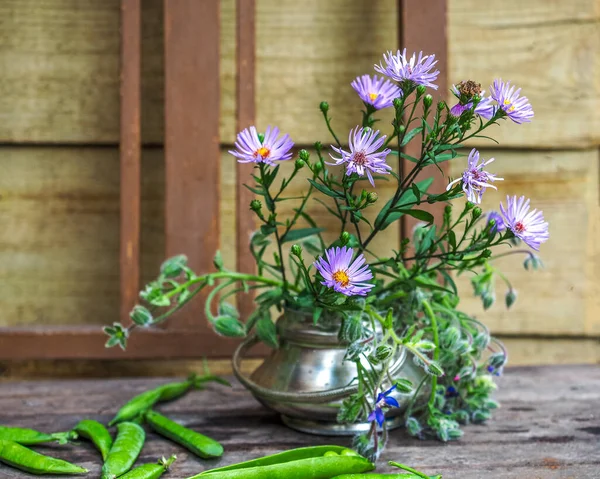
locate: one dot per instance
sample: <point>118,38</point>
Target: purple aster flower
<point>250,148</point>
<point>375,91</point>
<point>498,222</point>
<point>383,400</point>
<point>342,274</point>
<point>363,157</point>
<point>516,107</point>
<point>414,70</point>
<point>484,108</point>
<point>475,179</point>
<point>527,225</point>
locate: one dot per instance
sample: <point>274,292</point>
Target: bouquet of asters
<point>404,299</point>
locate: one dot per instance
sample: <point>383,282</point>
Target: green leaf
<point>183,296</point>
<point>142,316</point>
<point>452,240</point>
<point>268,229</point>
<point>418,214</point>
<point>229,326</point>
<point>218,261</point>
<point>326,190</point>
<point>416,192</point>
<point>266,331</point>
<point>410,135</point>
<point>407,197</point>
<point>425,282</point>
<point>295,235</point>
<point>228,309</point>
<point>174,266</point>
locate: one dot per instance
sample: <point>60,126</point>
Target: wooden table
<point>548,426</point>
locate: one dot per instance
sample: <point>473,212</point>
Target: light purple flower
<point>363,157</point>
<point>475,179</point>
<point>484,108</point>
<point>376,91</point>
<point>342,274</point>
<point>527,225</point>
<point>383,400</point>
<point>498,221</point>
<point>516,107</point>
<point>249,148</point>
<point>417,71</point>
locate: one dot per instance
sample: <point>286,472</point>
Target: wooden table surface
<point>548,426</point>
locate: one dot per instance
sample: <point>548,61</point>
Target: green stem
<point>436,352</point>
<point>327,121</point>
<point>409,469</point>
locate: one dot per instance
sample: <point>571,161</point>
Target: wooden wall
<point>59,128</point>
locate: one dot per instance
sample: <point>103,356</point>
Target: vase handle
<point>316,397</point>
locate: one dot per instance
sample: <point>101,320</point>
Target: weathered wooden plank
<point>547,427</point>
<point>302,51</point>
<point>245,117</point>
<point>60,241</point>
<point>130,155</point>
<point>490,43</point>
<point>192,139</point>
<point>562,298</point>
<point>425,29</point>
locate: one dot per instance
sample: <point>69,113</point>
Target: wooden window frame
<point>191,131</point>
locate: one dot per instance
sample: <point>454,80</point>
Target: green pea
<point>124,451</point>
<point>29,437</point>
<point>20,457</point>
<point>310,468</point>
<point>167,392</point>
<point>97,433</point>
<point>150,471</point>
<point>281,457</point>
<point>194,442</point>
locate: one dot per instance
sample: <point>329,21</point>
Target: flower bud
<point>304,155</point>
<point>427,101</point>
<point>324,106</point>
<point>300,163</point>
<point>448,209</point>
<point>297,250</point>
<point>372,197</point>
<point>403,385</point>
<point>398,102</point>
<point>383,352</point>
<point>486,253</point>
<point>401,128</point>
<point>477,212</point>
<point>255,205</point>
<point>421,89</point>
<point>441,105</point>
<point>318,145</point>
<point>511,297</point>
<point>469,206</point>
<point>261,137</point>
<point>345,238</point>
<point>318,167</point>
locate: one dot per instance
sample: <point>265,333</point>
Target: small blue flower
<point>383,400</point>
<point>451,392</point>
<point>490,369</point>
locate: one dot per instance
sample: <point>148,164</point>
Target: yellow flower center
<point>342,278</point>
<point>373,96</point>
<point>263,152</point>
<point>506,103</point>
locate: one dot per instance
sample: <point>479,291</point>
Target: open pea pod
<point>321,462</point>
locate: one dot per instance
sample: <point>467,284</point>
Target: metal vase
<point>306,378</point>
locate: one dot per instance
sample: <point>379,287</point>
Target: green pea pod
<point>20,457</point>
<point>97,433</point>
<point>150,471</point>
<point>281,457</point>
<point>136,406</point>
<point>167,392</point>
<point>405,475</point>
<point>124,451</point>
<point>29,437</point>
<point>324,467</point>
<point>200,445</point>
